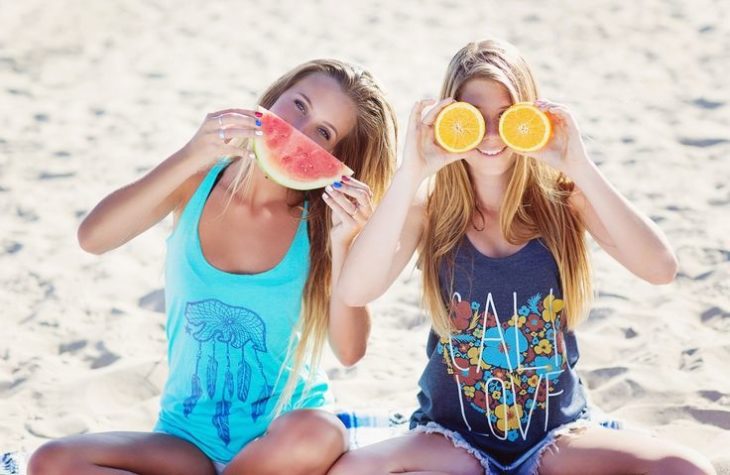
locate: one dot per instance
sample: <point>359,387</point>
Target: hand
<point>565,151</point>
<point>421,154</point>
<point>351,204</point>
<point>221,134</point>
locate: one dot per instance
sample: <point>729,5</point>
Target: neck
<point>490,189</point>
<point>261,192</point>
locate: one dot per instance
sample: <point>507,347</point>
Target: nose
<point>491,126</point>
<point>309,128</point>
<point>491,133</point>
<point>300,124</point>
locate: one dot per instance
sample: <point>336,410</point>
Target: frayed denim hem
<point>456,439</point>
<point>528,463</point>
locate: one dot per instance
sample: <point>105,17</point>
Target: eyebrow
<point>309,102</point>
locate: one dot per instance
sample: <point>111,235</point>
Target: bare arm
<point>134,208</point>
<point>389,239</point>
<point>619,228</point>
<point>386,238</point>
<point>385,245</point>
<point>348,326</point>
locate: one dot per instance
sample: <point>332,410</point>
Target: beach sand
<point>94,94</point>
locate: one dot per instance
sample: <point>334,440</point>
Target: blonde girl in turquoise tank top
<point>501,245</point>
<point>250,269</point>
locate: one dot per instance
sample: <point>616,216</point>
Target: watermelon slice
<point>292,159</point>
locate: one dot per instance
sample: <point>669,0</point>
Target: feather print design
<point>212,323</point>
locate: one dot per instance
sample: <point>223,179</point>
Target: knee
<point>312,441</point>
<point>688,463</point>
<point>51,458</point>
<point>311,432</point>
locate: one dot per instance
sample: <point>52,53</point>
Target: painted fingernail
<point>345,178</point>
<point>258,122</point>
<point>337,184</point>
<point>259,133</point>
<point>259,114</point>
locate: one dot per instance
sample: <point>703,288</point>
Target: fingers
<point>215,124</point>
<point>339,197</point>
<point>431,116</point>
<point>245,112</point>
<point>224,119</point>
<point>552,107</point>
<point>417,111</point>
<point>227,120</point>
<point>357,184</point>
<point>234,132</point>
<point>338,211</point>
<point>362,197</point>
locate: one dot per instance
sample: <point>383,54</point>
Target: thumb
<point>450,158</point>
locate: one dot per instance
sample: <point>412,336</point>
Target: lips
<point>491,153</point>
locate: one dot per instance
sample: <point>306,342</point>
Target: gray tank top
<point>506,377</point>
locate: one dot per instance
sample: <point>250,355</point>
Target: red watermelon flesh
<point>292,159</point>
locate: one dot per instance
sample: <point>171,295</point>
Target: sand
<point>95,93</point>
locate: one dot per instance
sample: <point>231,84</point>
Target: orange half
<point>459,127</point>
<point>524,128</point>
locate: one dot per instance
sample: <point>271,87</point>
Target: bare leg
<point>119,453</point>
<point>596,451</point>
<point>305,441</point>
<point>413,453</point>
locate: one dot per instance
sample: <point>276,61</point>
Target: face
<point>491,98</point>
<point>317,107</point>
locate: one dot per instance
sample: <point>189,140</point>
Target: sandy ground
<point>95,93</point>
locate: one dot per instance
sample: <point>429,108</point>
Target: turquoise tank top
<point>228,337</point>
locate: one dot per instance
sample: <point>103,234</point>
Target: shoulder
<point>186,190</point>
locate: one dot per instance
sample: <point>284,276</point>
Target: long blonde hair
<point>370,151</point>
<point>535,203</point>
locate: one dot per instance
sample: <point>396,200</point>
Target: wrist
<point>408,178</point>
<point>185,160</point>
<point>582,170</point>
<point>340,246</point>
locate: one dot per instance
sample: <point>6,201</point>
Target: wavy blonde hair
<point>535,203</point>
<point>370,151</point>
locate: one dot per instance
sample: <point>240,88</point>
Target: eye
<point>324,133</point>
<point>300,105</point>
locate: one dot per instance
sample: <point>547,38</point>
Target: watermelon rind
<point>264,158</point>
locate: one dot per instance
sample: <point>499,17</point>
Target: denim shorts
<point>528,462</point>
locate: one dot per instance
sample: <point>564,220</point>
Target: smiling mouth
<point>492,153</point>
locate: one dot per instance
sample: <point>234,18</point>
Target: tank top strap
<point>194,208</point>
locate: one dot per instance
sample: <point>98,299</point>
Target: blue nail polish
<point>337,184</point>
<point>258,122</point>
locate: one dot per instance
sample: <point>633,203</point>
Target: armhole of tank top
<point>194,207</point>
